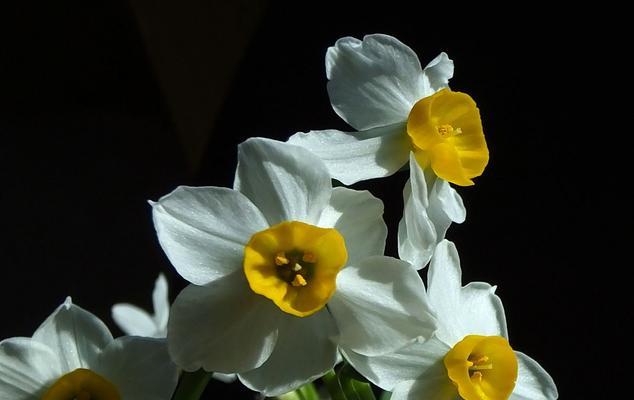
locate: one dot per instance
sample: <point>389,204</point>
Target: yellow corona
<point>295,265</point>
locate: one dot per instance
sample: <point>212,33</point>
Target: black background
<point>87,138</point>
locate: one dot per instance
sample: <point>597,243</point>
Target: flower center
<point>82,384</point>
<point>446,133</point>
<point>295,265</point>
<point>482,367</point>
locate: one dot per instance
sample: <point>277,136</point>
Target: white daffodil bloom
<point>72,355</point>
<point>378,87</point>
<point>468,357</point>
<point>431,205</point>
<point>281,267</point>
<point>135,321</point>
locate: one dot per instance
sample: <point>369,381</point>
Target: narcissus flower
<point>379,88</point>
<point>431,205</point>
<point>281,267</point>
<point>135,321</point>
<point>468,357</point>
<point>72,355</point>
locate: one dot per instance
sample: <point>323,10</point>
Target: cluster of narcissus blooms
<point>287,273</point>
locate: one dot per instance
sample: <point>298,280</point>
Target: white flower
<point>281,268</point>
<point>379,88</point>
<point>468,357</point>
<point>431,205</point>
<point>72,355</point>
<point>134,321</point>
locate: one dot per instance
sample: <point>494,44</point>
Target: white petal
<point>437,73</point>
<point>133,321</point>
<point>74,334</point>
<point>225,378</point>
<point>461,311</point>
<point>204,230</point>
<point>374,82</point>
<point>445,205</point>
<point>139,367</point>
<point>416,232</point>
<point>380,305</point>
<point>533,382</point>
<point>358,156</point>
<point>436,386</point>
<point>222,326</point>
<point>27,367</point>
<point>304,351</point>
<point>286,182</point>
<point>161,303</point>
<point>358,216</point>
<point>406,364</point>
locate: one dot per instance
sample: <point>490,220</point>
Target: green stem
<point>192,385</point>
<point>306,392</point>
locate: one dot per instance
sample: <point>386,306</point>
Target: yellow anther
<point>481,360</point>
<point>480,363</point>
<point>309,257</point>
<point>477,376</point>
<point>299,281</point>
<point>445,130</point>
<point>297,267</point>
<point>280,259</point>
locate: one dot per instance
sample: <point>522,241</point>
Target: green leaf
<point>333,386</point>
<point>347,384</point>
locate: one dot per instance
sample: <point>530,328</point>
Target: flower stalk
<point>192,385</point>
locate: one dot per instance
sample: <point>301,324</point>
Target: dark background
<point>106,106</point>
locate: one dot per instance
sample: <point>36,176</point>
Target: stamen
<point>280,259</point>
<point>445,130</point>
<point>297,267</point>
<point>299,281</point>
<point>477,376</point>
<point>481,360</point>
<point>480,363</point>
<point>309,258</point>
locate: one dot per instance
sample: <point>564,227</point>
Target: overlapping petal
<point>74,334</point>
<point>133,320</point>
<point>306,348</point>
<point>356,156</point>
<point>26,367</point>
<point>140,368</point>
<point>417,237</point>
<point>380,305</point>
<point>286,182</point>
<point>533,382</point>
<point>405,364</point>
<point>358,217</point>
<point>434,385</point>
<point>461,310</point>
<point>203,230</point>
<point>431,205</point>
<point>222,326</point>
<point>373,82</point>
